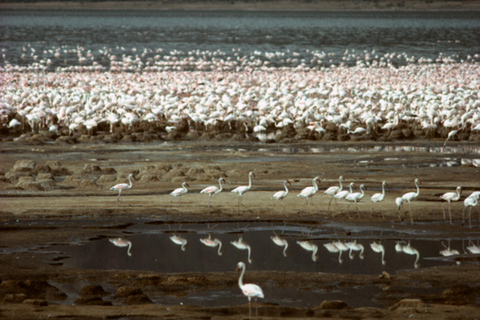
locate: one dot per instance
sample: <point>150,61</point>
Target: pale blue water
<point>300,36</point>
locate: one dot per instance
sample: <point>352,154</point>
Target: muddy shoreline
<point>57,195</point>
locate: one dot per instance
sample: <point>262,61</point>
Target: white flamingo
<point>120,242</point>
<point>342,194</point>
<point>250,290</point>
<point>471,201</point>
<point>334,190</point>
<point>450,196</point>
<point>309,192</point>
<point>242,245</point>
<point>280,195</point>
<point>211,190</point>
<point>354,246</point>
<point>410,196</point>
<point>378,197</point>
<point>122,186</point>
<point>355,197</point>
<point>180,191</point>
<point>243,189</point>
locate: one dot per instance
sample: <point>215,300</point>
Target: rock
<point>408,305</point>
<point>14,297</point>
<point>24,166</point>
<point>126,291</point>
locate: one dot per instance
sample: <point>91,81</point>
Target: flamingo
<point>280,195</point>
<point>250,290</point>
<point>180,191</point>
<point>450,196</point>
<point>470,201</point>
<point>242,245</point>
<point>342,194</point>
<point>378,248</point>
<point>120,242</point>
<point>474,249</point>
<point>242,189</point>
<point>354,246</point>
<point>122,186</point>
<point>209,242</point>
<point>180,241</point>
<point>450,135</point>
<point>309,246</point>
<point>213,190</point>
<point>356,197</point>
<point>281,242</point>
<point>309,192</point>
<point>334,190</point>
<point>378,197</point>
<point>410,196</point>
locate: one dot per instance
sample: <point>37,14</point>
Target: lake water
<point>281,38</point>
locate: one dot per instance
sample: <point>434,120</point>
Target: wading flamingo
<point>250,290</point>
<point>122,186</point>
<point>213,190</point>
<point>450,196</point>
<point>355,197</point>
<point>471,201</point>
<point>410,196</point>
<point>378,197</point>
<point>309,192</point>
<point>180,191</point>
<point>243,189</point>
<point>334,190</point>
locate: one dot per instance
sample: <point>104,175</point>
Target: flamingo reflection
<point>209,242</point>
<point>332,248</point>
<point>447,252</point>
<point>378,248</point>
<point>242,245</point>
<point>120,242</point>
<point>474,249</point>
<point>180,241</point>
<point>408,249</point>
<point>281,242</point>
<point>309,246</point>
<point>354,246</point>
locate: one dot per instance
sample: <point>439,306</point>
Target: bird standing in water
<point>250,290</point>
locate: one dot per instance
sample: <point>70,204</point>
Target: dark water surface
<point>282,38</point>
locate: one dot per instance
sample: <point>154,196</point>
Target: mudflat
<point>59,194</point>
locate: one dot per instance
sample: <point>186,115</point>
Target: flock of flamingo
<point>372,98</point>
<point>336,192</point>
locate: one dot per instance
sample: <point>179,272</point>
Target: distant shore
<point>315,5</point>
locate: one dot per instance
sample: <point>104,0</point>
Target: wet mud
<point>55,200</point>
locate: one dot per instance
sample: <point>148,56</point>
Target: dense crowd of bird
<point>371,98</point>
<point>336,192</point>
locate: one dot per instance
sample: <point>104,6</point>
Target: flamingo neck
<point>219,243</point>
<point>249,181</point>
<point>383,189</point>
<point>240,280</point>
<point>315,186</point>
<point>341,186</point>
<point>418,188</point>
<point>220,183</point>
<point>129,248</point>
<point>285,185</point>
<point>129,180</point>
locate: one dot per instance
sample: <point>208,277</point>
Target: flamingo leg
<point>450,212</point>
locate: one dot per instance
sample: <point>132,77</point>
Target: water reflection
<point>119,242</point>
<point>180,241</point>
<point>209,242</point>
<point>309,246</point>
<point>408,249</point>
<point>243,245</point>
<point>281,242</point>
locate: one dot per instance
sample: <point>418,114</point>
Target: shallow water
<point>282,38</point>
<point>153,250</point>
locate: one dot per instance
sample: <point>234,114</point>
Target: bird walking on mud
<point>122,186</point>
<point>334,190</point>
<point>280,195</point>
<point>450,196</point>
<point>250,290</point>
<point>180,191</point>
<point>309,192</point>
<point>378,197</point>
<point>243,189</point>
<point>211,190</point>
<point>410,196</point>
